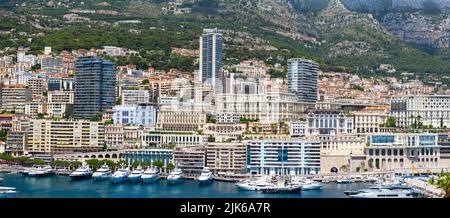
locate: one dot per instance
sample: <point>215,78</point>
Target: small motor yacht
<point>206,176</point>
<point>103,173</point>
<point>82,172</point>
<point>151,174</point>
<point>176,176</point>
<point>136,175</point>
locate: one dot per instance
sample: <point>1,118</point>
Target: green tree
<point>94,164</point>
<point>3,135</point>
<point>442,181</point>
<point>158,163</point>
<point>391,122</point>
<point>170,167</point>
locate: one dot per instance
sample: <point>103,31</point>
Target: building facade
<point>283,157</point>
<point>95,85</point>
<point>211,59</point>
<point>303,78</point>
<point>57,137</point>
<point>144,115</point>
<point>226,157</point>
<point>425,110</point>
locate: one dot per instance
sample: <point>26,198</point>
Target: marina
<point>58,186</point>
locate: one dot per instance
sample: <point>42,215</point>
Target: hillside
<point>351,35</point>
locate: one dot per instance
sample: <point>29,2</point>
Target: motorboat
<point>6,192</point>
<point>82,172</point>
<point>254,185</point>
<point>103,173</point>
<point>151,174</point>
<point>381,193</point>
<point>120,175</point>
<point>41,171</point>
<point>136,175</point>
<point>176,176</point>
<point>308,184</point>
<point>344,181</point>
<point>206,176</point>
<point>24,171</point>
<point>282,186</point>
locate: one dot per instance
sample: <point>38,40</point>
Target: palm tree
<point>443,181</point>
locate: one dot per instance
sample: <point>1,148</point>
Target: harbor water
<point>63,187</point>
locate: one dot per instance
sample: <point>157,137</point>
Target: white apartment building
<point>297,128</point>
<point>180,120</point>
<point>135,97</point>
<point>134,115</point>
<point>426,109</point>
<point>283,157</point>
<point>408,151</point>
<point>328,122</point>
<point>368,122</point>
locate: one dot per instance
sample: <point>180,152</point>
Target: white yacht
<point>103,173</point>
<point>254,184</point>
<point>308,184</point>
<point>151,174</point>
<point>41,171</point>
<point>381,193</point>
<point>344,181</point>
<point>136,175</point>
<point>6,192</point>
<point>82,172</point>
<point>206,177</point>
<point>120,175</point>
<point>176,176</point>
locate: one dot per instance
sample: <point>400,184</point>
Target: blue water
<point>64,187</point>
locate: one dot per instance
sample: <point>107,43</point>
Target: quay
<point>421,184</point>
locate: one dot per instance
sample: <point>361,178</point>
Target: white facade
<point>135,115</point>
<point>425,109</point>
<point>135,97</point>
<point>283,157</point>
<point>297,129</point>
<point>228,118</point>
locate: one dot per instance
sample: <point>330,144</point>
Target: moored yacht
<point>103,173</point>
<point>136,175</point>
<point>1,180</point>
<point>82,172</point>
<point>308,184</point>
<point>176,176</point>
<point>254,184</point>
<point>6,192</point>
<point>206,177</point>
<point>41,171</point>
<point>120,175</point>
<point>381,193</point>
<point>151,174</point>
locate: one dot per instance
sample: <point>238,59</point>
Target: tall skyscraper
<point>95,83</point>
<point>211,59</point>
<point>302,79</point>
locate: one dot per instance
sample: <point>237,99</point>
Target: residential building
<point>302,79</point>
<point>211,59</point>
<point>14,98</point>
<point>190,159</point>
<point>226,157</point>
<point>135,97</point>
<point>425,110</point>
<point>95,85</point>
<point>134,115</point>
<point>283,157</point>
<point>62,136</point>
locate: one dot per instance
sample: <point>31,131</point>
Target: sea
<point>59,186</point>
